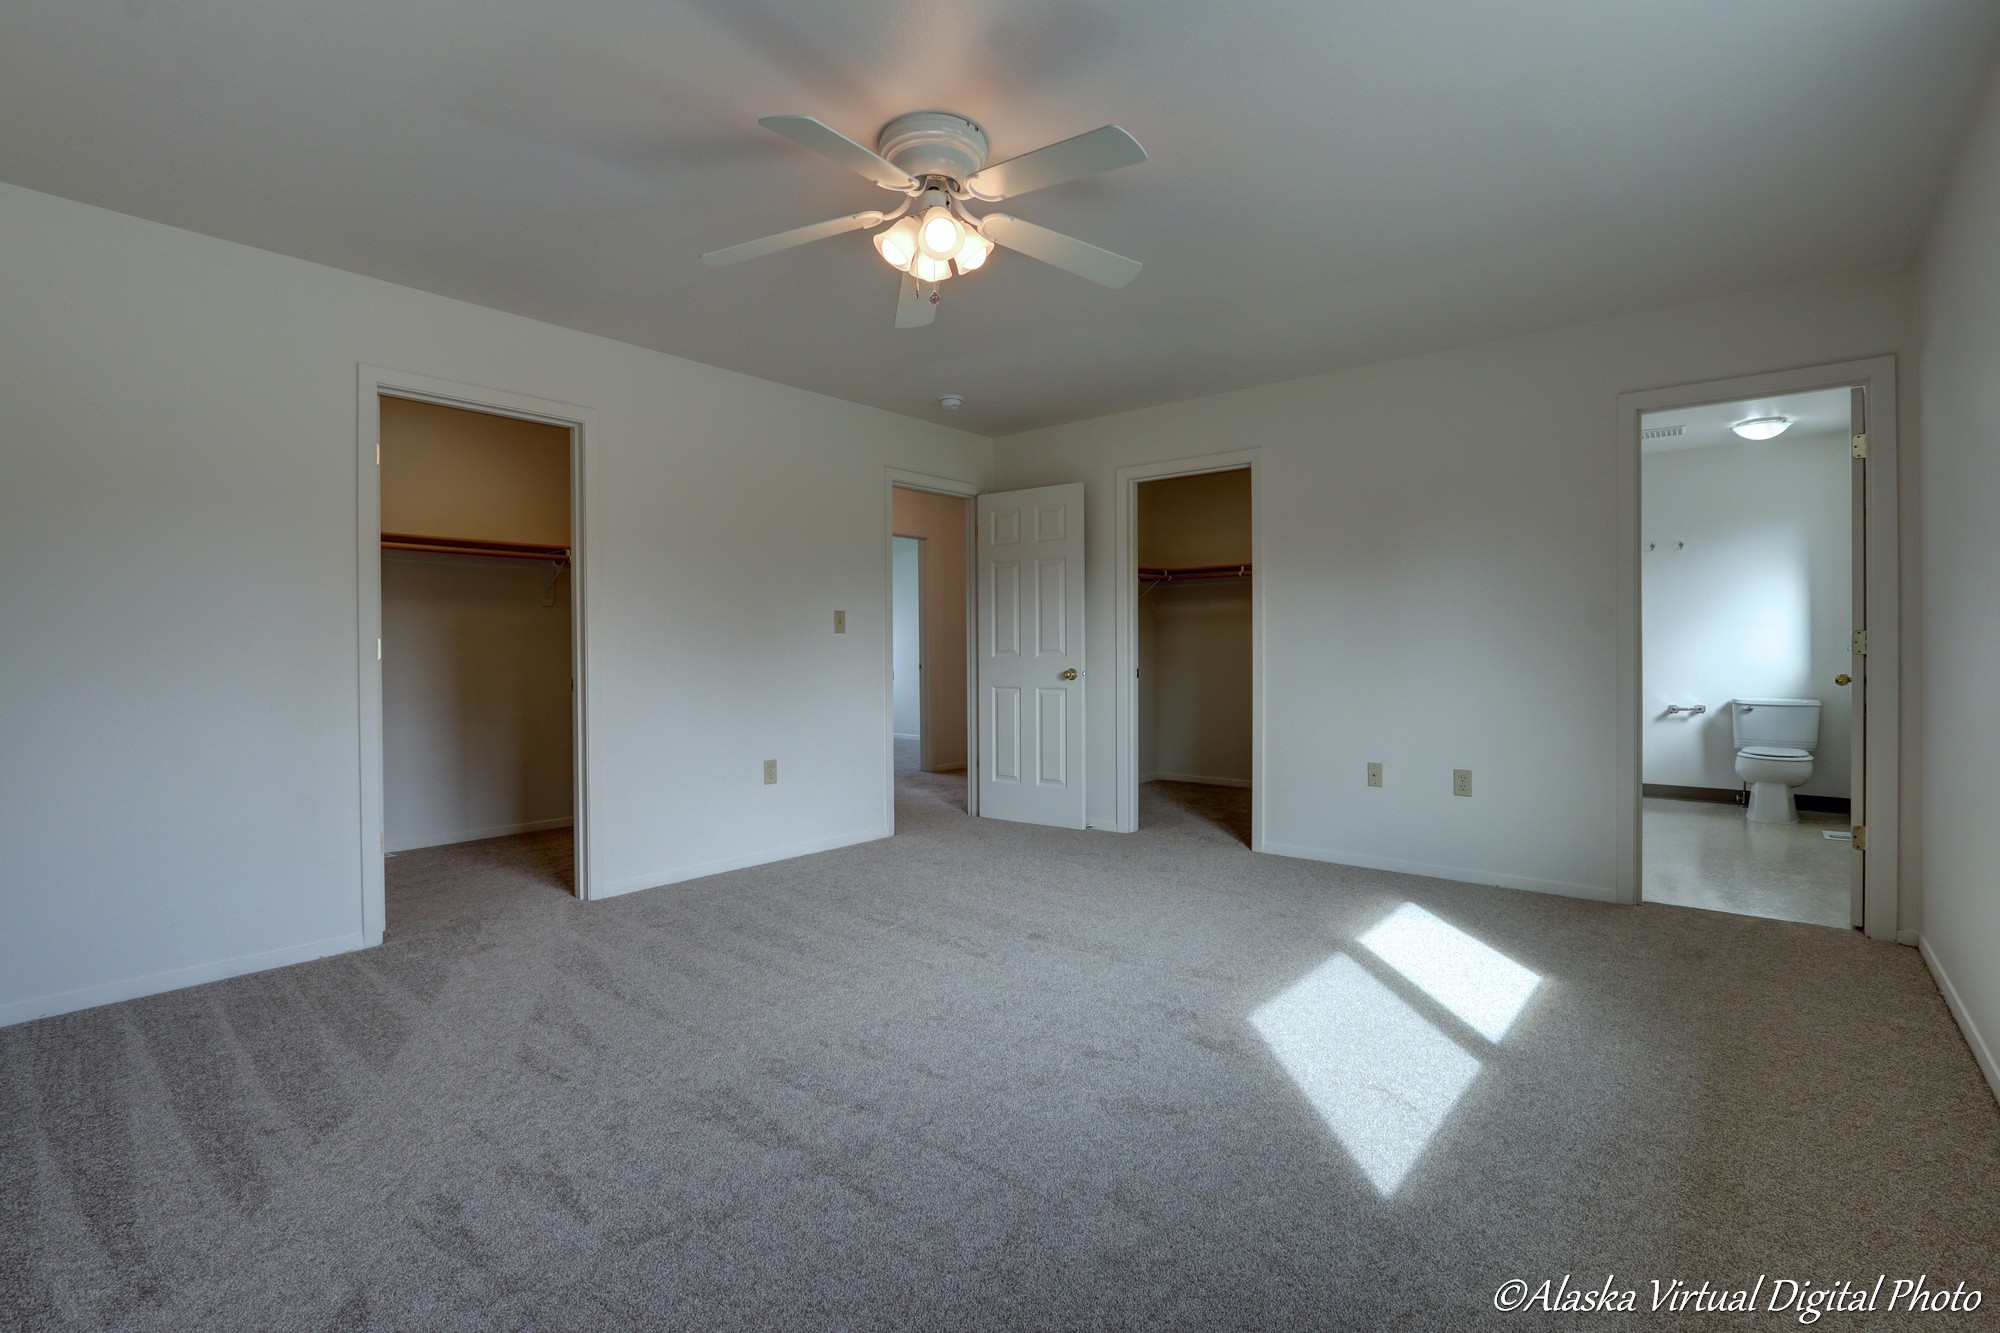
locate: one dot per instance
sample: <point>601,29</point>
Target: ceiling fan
<point>938,161</point>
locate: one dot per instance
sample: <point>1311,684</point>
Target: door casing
<point>1125,813</point>
<point>375,383</point>
<point>1882,752</point>
<point>969,492</point>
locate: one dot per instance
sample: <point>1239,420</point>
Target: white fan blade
<point>830,143</point>
<point>1065,252</point>
<point>913,308</point>
<point>1104,149</point>
<point>785,240</point>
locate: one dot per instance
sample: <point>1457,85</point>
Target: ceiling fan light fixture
<point>1762,428</point>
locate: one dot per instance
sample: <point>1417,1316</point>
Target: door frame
<point>375,383</point>
<point>1126,658</point>
<point>1882,723</point>
<point>969,492</point>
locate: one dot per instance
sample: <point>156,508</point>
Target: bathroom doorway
<point>1752,724</point>
<point>930,631</point>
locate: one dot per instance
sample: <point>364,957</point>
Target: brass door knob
<point>1069,674</point>
<point>1842,679</point>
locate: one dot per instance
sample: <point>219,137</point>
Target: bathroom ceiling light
<point>1762,428</point>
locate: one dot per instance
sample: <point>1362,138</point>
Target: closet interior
<point>1194,624</point>
<point>477,715</point>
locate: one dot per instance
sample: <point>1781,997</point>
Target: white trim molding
<point>1981,1052</point>
<point>154,983</point>
<point>1883,726</point>
<point>636,883</point>
<point>1596,893</point>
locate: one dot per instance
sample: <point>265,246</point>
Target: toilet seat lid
<point>1774,752</point>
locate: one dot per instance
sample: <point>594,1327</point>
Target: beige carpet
<point>987,1076</point>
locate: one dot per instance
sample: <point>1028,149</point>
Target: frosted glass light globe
<point>939,236</point>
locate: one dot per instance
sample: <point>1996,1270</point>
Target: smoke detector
<point>951,402</point>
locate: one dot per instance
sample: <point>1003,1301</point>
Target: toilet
<point>1774,749</point>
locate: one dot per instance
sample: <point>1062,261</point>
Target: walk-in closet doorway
<point>1190,696</point>
<point>470,560</point>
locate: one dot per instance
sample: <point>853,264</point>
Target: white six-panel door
<point>1030,567</point>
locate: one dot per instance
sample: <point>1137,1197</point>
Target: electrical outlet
<point>1374,775</point>
<point>839,623</point>
<point>1461,782</point>
<point>770,771</point>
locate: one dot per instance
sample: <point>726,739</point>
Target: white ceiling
<point>1331,183</point>
<point>1822,413</point>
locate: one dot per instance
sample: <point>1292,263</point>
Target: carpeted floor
<point>986,1076</point>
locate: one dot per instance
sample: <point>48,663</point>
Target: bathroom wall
<point>1194,639</point>
<point>1755,603</point>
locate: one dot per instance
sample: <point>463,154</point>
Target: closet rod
<point>1193,573</point>
<point>416,541</point>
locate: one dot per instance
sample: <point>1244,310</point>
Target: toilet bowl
<point>1775,740</point>
<point>1772,771</point>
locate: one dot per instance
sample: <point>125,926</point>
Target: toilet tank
<point>1787,722</point>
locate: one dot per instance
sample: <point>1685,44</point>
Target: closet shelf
<point>1152,577</point>
<point>417,541</point>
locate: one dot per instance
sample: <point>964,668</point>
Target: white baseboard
<point>110,992</point>
<point>1197,778</point>
<point>1974,1038</point>
<point>411,844</point>
<point>1590,892</point>
<point>662,878</point>
<point>949,768</point>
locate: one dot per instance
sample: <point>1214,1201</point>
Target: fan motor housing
<point>934,143</point>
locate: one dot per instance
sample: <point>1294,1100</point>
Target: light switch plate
<point>840,622</point>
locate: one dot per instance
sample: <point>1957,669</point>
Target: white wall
<point>1746,588</point>
<point>1958,333</point>
<point>907,616</point>
<point>1441,574</point>
<point>179,734</point>
<point>476,720</point>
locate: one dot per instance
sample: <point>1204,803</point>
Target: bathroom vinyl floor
<point>1698,854</point>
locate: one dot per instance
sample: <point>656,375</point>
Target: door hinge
<point>1860,838</point>
<point>378,650</point>
<point>1861,445</point>
<point>1859,644</point>
<point>378,453</point>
